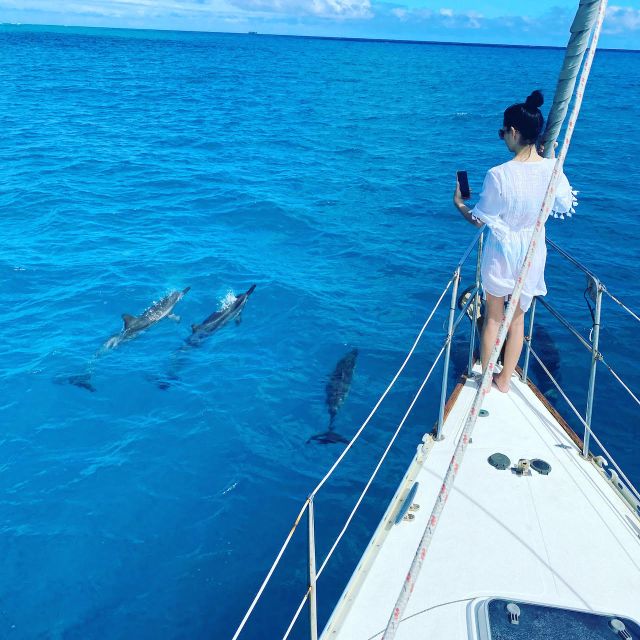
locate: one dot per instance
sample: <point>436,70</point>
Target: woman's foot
<point>503,385</point>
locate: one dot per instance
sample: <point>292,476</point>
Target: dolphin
<point>219,318</point>
<point>328,437</point>
<point>337,390</point>
<point>82,380</point>
<point>200,332</point>
<point>133,326</point>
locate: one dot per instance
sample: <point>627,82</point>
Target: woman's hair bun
<point>534,101</point>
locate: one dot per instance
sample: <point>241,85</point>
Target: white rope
<point>584,423</point>
<point>559,388</point>
<point>382,459</point>
<point>297,614</point>
<point>624,306</point>
<point>384,395</point>
<point>617,377</point>
<point>364,491</point>
<point>273,567</point>
<point>331,470</point>
<point>615,464</point>
<point>456,460</point>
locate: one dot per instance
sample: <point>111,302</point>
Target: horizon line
<point>309,37</point>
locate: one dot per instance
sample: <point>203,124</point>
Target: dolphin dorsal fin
<point>127,319</point>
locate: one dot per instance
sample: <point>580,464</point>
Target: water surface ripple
<point>136,163</point>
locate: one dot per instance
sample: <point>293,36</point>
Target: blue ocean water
<point>136,163</point>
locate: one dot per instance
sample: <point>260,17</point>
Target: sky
<point>543,22</point>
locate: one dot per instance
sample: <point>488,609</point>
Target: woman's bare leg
<point>492,320</point>
<point>512,350</point>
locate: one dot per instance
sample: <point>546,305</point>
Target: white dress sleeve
<point>565,202</point>
<point>490,205</point>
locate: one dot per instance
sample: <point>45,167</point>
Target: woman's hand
<point>457,195</point>
<point>458,201</point>
<point>553,152</point>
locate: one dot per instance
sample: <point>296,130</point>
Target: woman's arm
<point>463,209</point>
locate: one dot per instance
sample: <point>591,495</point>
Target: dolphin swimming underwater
<point>337,390</point>
<point>133,326</point>
<point>200,332</point>
<point>219,318</point>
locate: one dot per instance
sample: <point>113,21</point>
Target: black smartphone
<point>463,181</point>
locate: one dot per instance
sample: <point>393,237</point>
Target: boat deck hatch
<point>538,622</point>
<point>499,461</point>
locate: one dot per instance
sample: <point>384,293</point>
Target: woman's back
<point>513,193</point>
<point>510,203</point>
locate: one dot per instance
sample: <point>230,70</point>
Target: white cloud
<point>153,11</point>
<point>444,17</point>
<point>230,9</point>
<point>620,19</point>
<point>345,9</point>
<point>115,8</point>
<point>399,19</point>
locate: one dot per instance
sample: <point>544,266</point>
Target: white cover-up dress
<point>511,198</point>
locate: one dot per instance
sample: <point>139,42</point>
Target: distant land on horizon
<point>307,37</point>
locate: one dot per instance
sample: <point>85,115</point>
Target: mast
<point>581,28</point>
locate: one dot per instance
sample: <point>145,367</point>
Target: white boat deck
<point>567,539</point>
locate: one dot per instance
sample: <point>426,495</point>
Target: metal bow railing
<point>591,344</point>
<point>469,308</point>
<point>308,507</point>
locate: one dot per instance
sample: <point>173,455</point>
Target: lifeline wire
<point>384,395</point>
<point>364,491</point>
<point>624,306</point>
<point>326,477</point>
<point>586,426</point>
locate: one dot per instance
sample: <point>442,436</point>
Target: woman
<point>511,198</point>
